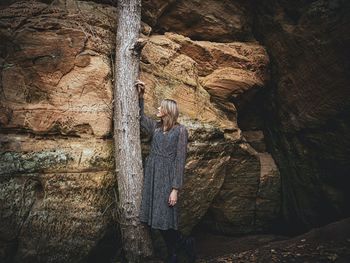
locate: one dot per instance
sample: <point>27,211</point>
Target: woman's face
<point>160,113</point>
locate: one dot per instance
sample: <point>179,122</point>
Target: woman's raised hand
<point>140,87</point>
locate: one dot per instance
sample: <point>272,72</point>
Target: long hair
<point>169,107</point>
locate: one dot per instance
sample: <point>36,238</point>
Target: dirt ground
<point>211,246</point>
<point>330,243</point>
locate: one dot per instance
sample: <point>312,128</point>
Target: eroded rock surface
<point>56,170</point>
<point>55,194</point>
<point>56,75</point>
<point>308,106</point>
<point>55,123</point>
<point>179,68</point>
<point>220,21</point>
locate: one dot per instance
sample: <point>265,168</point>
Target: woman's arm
<point>180,160</point>
<point>146,122</point>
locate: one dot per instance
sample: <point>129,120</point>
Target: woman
<point>163,174</point>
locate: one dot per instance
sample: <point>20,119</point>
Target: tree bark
<point>136,241</point>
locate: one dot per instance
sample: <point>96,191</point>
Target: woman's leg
<point>171,238</point>
<point>189,244</point>
<point>175,240</point>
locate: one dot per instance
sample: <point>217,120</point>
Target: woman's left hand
<point>173,197</point>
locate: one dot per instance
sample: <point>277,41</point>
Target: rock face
<point>56,169</point>
<point>244,182</point>
<point>56,79</point>
<point>225,71</point>
<point>248,200</point>
<point>54,197</point>
<point>308,106</point>
<point>304,113</point>
<point>221,21</point>
<point>55,126</point>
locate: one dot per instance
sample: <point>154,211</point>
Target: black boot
<point>189,244</point>
<point>173,258</point>
<point>171,237</point>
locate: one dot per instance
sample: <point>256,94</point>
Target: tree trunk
<point>136,241</point>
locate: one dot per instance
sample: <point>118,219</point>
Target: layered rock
<point>57,172</point>
<point>220,21</point>
<point>56,77</point>
<point>225,71</point>
<point>55,196</point>
<point>308,106</point>
<point>56,95</point>
<point>244,182</point>
<point>249,199</point>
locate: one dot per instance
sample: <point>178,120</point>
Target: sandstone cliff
<point>57,186</point>
<point>308,106</point>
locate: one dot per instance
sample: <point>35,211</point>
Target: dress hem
<point>158,227</point>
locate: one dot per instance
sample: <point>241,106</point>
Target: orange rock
<point>57,93</point>
<point>222,21</point>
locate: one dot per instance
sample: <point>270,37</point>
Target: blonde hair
<point>169,107</point>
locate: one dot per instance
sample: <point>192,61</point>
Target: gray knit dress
<point>163,170</point>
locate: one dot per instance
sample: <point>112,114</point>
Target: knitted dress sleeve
<point>147,123</point>
<point>180,160</point>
